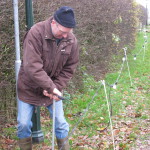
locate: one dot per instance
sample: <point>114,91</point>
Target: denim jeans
<point>25,112</point>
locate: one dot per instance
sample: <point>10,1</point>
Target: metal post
<point>53,135</point>
<point>29,14</point>
<point>17,41</point>
<point>37,135</point>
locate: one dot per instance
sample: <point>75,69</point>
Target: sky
<point>145,3</point>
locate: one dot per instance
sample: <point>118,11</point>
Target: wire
<point>81,118</point>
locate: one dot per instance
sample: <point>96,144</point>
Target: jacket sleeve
<point>33,63</point>
<point>69,68</point>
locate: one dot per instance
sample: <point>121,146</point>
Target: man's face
<point>59,31</point>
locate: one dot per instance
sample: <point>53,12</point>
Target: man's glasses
<point>62,32</point>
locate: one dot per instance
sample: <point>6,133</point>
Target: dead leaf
<point>69,115</point>
<point>138,115</point>
<point>140,88</point>
<point>126,92</point>
<point>138,92</point>
<point>123,129</point>
<point>100,129</point>
<point>129,130</point>
<point>9,141</point>
<point>101,118</point>
<point>116,131</point>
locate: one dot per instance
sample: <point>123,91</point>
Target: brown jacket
<point>45,64</point>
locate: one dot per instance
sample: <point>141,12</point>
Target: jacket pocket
<point>32,87</point>
<point>47,61</point>
<point>65,53</point>
<point>61,61</point>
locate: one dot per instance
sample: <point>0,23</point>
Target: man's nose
<point>65,35</point>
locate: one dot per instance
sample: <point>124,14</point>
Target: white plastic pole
<point>125,52</point>
<point>17,41</point>
<point>109,112</point>
<point>53,134</point>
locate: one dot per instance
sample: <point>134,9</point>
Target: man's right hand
<point>54,95</point>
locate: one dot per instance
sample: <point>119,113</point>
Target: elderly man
<point>50,57</point>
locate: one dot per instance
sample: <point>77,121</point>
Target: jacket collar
<point>48,32</point>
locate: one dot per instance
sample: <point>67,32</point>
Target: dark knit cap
<point>65,17</point>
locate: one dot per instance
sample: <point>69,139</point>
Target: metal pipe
<point>37,134</point>
<point>17,40</point>
<point>29,13</point>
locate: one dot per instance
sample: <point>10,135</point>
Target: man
<point>50,58</point>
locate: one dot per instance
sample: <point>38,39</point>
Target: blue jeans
<point>25,112</point>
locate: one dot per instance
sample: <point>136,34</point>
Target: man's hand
<point>54,95</point>
<point>57,92</point>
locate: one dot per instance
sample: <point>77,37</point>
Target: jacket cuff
<point>60,88</point>
<point>51,89</point>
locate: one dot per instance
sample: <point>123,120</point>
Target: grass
<point>130,107</point>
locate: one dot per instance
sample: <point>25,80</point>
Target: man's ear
<point>53,21</point>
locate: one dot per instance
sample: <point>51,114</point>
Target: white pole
<point>17,41</point>
<point>53,135</point>
<point>109,112</point>
<point>125,52</point>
